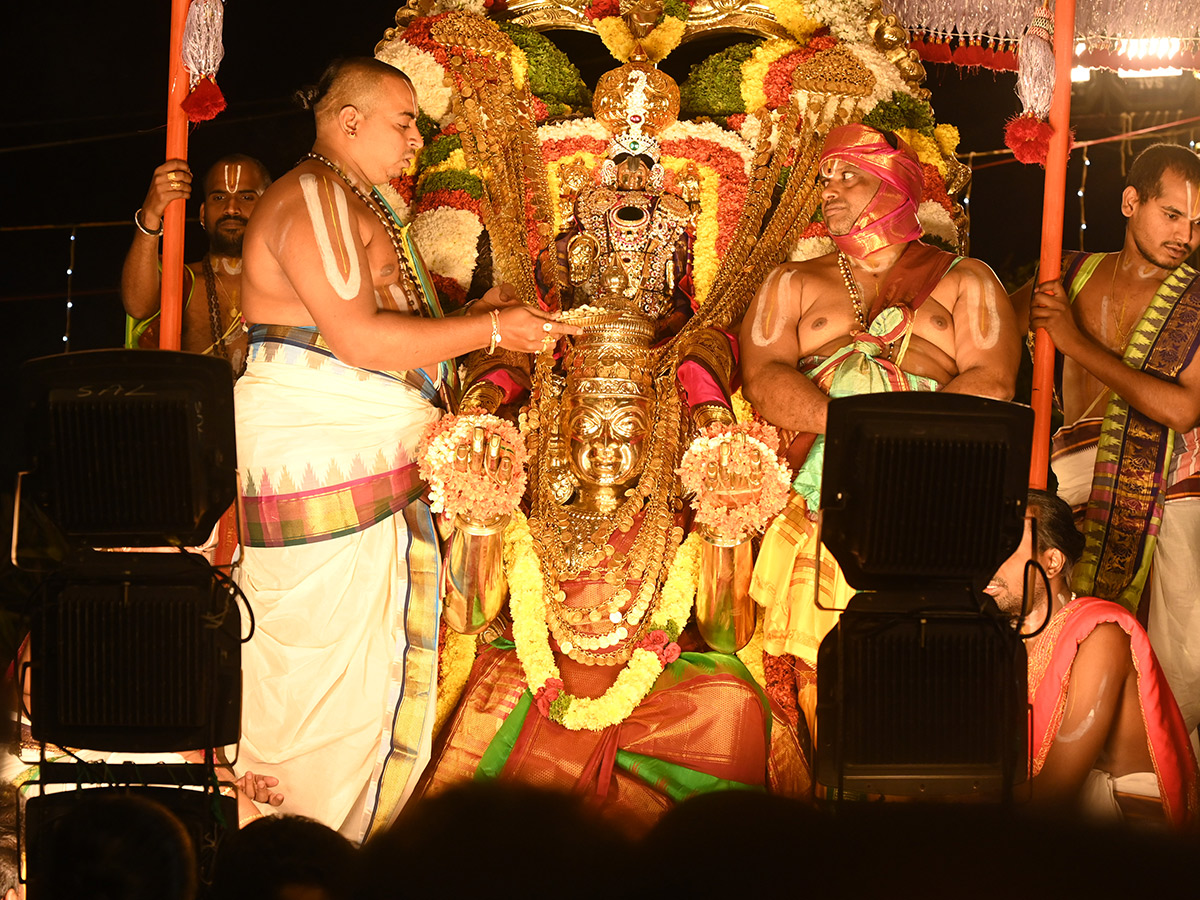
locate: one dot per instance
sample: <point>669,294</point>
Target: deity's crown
<point>612,356</point>
<point>635,144</point>
<point>636,98</point>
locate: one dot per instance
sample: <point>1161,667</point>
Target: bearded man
<point>211,324</point>
<point>1108,738</point>
<point>884,312</point>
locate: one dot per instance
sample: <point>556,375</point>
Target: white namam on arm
<point>348,285</point>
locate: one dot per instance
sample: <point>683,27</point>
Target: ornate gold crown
<point>636,97</point>
<point>611,357</point>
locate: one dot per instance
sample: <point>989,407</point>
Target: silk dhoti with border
<point>706,726</point>
<point>340,569</point>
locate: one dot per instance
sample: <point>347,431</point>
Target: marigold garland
<point>791,15</point>
<point>454,668</point>
<point>754,71</point>
<point>657,45</point>
<point>531,634</point>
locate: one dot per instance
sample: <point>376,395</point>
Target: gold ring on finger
<point>546,326</point>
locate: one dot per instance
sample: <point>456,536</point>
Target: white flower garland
<point>449,242</point>
<point>936,221</point>
<point>426,74</point>
<point>846,18</point>
<point>576,128</point>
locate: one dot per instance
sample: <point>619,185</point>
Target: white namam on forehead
<point>983,315</point>
<point>233,177</point>
<point>345,286</point>
<point>768,323</point>
<point>830,167</point>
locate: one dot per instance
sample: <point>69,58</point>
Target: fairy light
<point>1082,187</point>
<point>70,302</point>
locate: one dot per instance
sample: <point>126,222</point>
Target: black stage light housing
<point>923,488</point>
<point>205,815</point>
<point>921,686</point>
<point>138,652</point>
<point>129,448</point>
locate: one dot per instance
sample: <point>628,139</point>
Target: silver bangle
<point>137,220</point>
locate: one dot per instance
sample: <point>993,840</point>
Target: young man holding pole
<point>1128,326</point>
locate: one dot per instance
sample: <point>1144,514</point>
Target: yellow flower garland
<point>947,139</point>
<point>754,71</point>
<point>658,43</point>
<point>790,15</point>
<point>926,148</point>
<point>520,66</point>
<point>532,635</point>
<point>456,661</point>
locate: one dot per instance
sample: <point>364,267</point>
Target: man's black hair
<point>1055,525</point>
<point>1146,173</point>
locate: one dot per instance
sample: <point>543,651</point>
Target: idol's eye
<point>629,425</point>
<point>586,424</point>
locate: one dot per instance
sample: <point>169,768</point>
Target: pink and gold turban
<point>891,215</point>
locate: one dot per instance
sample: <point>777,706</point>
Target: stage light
<point>921,685</point>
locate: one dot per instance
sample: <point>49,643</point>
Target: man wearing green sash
<point>1128,326</point>
<point>349,361</point>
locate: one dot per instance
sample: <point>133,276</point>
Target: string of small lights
<point>1082,184</point>
<point>70,301</point>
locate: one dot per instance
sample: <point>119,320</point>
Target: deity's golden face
<point>605,437</point>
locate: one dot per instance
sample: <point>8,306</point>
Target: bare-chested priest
<point>349,360</point>
<point>1108,740</point>
<point>884,312</point>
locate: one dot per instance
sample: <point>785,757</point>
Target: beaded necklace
<point>389,224</point>
<point>852,288</point>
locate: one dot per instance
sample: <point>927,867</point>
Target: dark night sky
<point>85,103</point>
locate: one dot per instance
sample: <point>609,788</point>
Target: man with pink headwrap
<point>884,312</point>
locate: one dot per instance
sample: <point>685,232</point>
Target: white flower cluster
<point>426,74</point>
<point>449,241</point>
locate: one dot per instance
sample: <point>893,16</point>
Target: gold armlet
<point>705,414</point>
<point>710,347</point>
<point>482,395</point>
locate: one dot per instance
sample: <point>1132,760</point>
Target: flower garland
<point>475,495</point>
<point>937,222</point>
<point>777,81</point>
<point>926,148</point>
<point>449,242</point>
<point>791,15</point>
<point>666,35</point>
<point>754,71</point>
<point>752,452</point>
<point>845,19</point>
<point>532,636</point>
<point>426,73</point>
<point>455,660</point>
<point>714,86</point>
<point>554,80</point>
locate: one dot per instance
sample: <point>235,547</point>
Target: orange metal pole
<point>1053,202</point>
<point>173,218</point>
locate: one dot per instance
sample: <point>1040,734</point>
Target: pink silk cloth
<point>1049,680</point>
<point>891,215</point>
